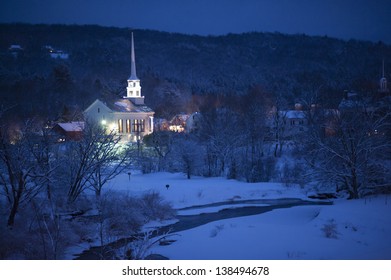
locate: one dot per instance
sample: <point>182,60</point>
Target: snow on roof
<point>126,105</point>
<point>72,126</point>
<point>15,47</point>
<point>123,105</point>
<point>294,114</point>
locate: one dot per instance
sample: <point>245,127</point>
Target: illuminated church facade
<point>127,116</point>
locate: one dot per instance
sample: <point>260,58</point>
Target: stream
<point>186,222</point>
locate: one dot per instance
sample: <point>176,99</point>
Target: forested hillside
<point>174,68</point>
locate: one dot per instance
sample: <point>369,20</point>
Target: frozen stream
<point>226,210</point>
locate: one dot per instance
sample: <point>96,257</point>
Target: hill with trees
<point>175,69</point>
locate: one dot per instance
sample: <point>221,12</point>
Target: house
<point>56,53</point>
<point>352,101</point>
<point>59,54</point>
<point>128,116</point>
<point>178,123</point>
<point>295,122</point>
<point>15,50</point>
<point>69,131</point>
<point>286,123</point>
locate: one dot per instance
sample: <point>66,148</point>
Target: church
<point>128,116</point>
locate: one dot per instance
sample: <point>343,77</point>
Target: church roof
<point>125,105</point>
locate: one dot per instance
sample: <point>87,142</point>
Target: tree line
<point>244,138</point>
<point>174,67</point>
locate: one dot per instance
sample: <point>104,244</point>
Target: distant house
<point>59,54</point>
<point>69,131</point>
<point>286,123</point>
<point>127,116</point>
<point>56,54</point>
<point>351,101</point>
<point>178,123</point>
<point>295,122</point>
<point>15,50</point>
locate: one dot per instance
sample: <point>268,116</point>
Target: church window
<point>292,122</point>
<point>134,84</point>
<point>138,93</point>
<point>120,126</point>
<point>98,110</point>
<point>138,126</point>
<point>128,126</point>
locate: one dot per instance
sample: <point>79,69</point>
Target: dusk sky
<point>346,19</point>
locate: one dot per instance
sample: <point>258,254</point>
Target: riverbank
<point>357,229</point>
<point>345,230</point>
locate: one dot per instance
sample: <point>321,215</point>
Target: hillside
<point>175,67</point>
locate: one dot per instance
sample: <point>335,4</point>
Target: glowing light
<point>112,126</point>
<point>104,122</point>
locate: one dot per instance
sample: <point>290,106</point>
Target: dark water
<point>186,222</point>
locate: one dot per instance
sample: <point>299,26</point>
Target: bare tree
<point>161,142</point>
<point>355,157</point>
<point>187,155</point>
<point>113,159</point>
<point>22,174</point>
<point>95,160</point>
<point>221,132</point>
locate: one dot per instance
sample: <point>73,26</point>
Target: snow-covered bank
<point>198,190</point>
<point>354,229</point>
<point>358,230</point>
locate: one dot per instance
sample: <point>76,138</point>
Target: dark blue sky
<point>346,19</point>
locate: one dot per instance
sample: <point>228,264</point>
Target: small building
<point>69,131</point>
<point>295,121</point>
<point>56,54</point>
<point>286,123</point>
<point>59,55</point>
<point>178,123</point>
<point>15,50</point>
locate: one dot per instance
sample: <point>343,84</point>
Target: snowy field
<point>358,229</point>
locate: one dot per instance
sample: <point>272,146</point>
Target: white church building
<point>127,116</point>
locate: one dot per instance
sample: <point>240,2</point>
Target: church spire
<point>133,75</point>
<point>133,90</point>
<point>383,81</point>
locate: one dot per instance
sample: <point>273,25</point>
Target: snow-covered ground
<point>356,229</point>
<point>199,190</point>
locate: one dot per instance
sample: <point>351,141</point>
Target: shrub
<point>330,229</point>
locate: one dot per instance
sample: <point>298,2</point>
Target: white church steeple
<point>133,75</point>
<point>133,90</point>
